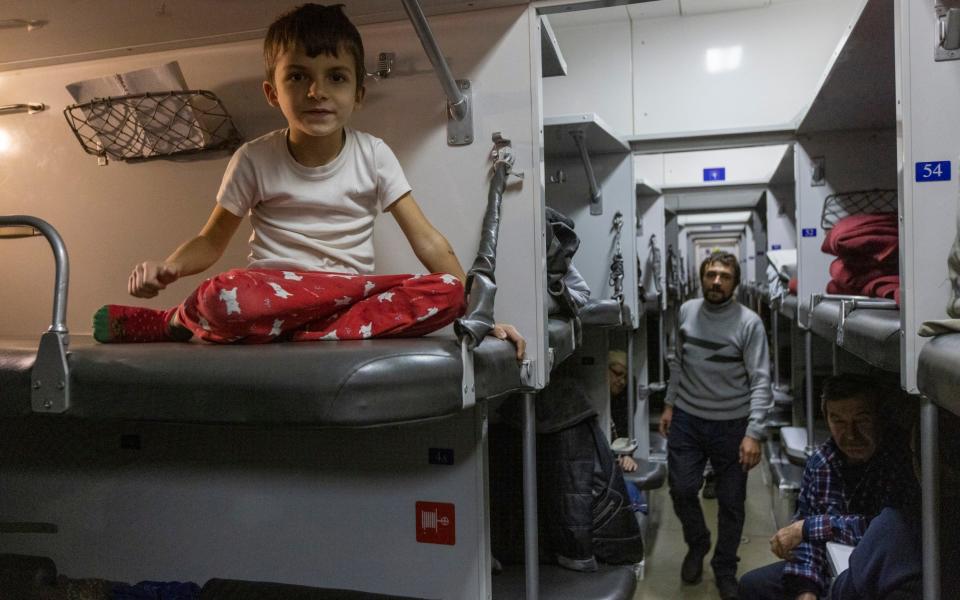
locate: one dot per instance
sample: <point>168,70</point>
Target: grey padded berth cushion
<point>604,313</point>
<point>869,333</point>
<point>346,383</point>
<point>938,371</point>
<point>824,318</point>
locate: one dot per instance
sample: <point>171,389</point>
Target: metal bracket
<point>818,177</point>
<point>468,384</point>
<point>527,369</point>
<point>50,380</point>
<point>384,65</point>
<point>503,153</point>
<point>596,196</point>
<point>947,40</point>
<point>460,131</point>
<point>846,307</point>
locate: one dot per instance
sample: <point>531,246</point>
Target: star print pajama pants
<point>255,306</point>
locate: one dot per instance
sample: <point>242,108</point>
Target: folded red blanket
<point>875,284</point>
<point>864,237</point>
<point>854,276</point>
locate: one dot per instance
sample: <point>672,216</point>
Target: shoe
<point>728,587</point>
<point>691,571</point>
<point>710,487</point>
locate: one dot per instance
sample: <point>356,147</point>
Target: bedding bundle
<point>867,250</point>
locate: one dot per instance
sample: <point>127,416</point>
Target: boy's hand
<point>505,331</point>
<point>148,278</point>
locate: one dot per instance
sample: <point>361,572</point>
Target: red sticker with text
<point>436,523</point>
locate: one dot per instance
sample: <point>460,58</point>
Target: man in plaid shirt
<point>864,467</point>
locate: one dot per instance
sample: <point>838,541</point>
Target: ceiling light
<point>724,59</point>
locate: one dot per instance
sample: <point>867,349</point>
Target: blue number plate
<point>933,171</point>
<point>715,174</point>
<point>812,232</point>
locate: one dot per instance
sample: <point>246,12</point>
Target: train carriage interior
<point>586,160</point>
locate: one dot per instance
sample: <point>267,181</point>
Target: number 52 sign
<point>933,171</point>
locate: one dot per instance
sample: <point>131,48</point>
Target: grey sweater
<point>723,368</point>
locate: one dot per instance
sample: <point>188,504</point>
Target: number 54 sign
<point>933,171</point>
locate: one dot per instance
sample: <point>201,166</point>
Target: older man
<point>864,467</point>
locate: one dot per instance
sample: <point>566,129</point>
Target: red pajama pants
<point>255,306</point>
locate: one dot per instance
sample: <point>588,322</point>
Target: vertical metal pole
<point>631,390</point>
<point>808,358</point>
<point>663,342</point>
<point>530,529</point>
<point>835,360</point>
<point>930,498</point>
<point>775,326</point>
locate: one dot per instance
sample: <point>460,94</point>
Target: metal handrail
<point>59,320</point>
<point>456,101</point>
<point>50,376</point>
<point>28,107</point>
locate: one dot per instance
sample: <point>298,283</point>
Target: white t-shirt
<point>312,218</point>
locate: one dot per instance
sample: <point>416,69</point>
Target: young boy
<point>312,191</point>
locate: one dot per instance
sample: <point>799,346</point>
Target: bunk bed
<point>72,386</point>
<point>868,328</point>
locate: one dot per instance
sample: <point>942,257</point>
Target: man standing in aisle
<point>718,395</point>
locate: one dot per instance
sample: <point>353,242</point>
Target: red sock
<point>114,323</point>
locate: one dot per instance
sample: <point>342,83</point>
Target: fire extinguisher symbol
<point>436,523</point>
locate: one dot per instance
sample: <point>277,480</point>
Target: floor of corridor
<point>662,569</point>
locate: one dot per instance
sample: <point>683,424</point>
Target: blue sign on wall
<point>812,232</point>
<point>933,171</point>
<point>715,174</point>
<point>775,247</point>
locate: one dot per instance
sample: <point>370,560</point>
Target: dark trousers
<point>691,441</point>
<point>764,583</point>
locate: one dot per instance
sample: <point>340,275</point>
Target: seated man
<point>864,467</point>
<point>886,564</point>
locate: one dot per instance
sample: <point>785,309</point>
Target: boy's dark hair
<point>316,29</point>
<point>848,386</point>
<point>726,259</point>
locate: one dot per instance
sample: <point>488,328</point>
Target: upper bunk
<point>590,181</point>
<point>845,166</point>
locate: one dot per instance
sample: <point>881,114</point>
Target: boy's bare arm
<point>431,248</point>
<point>198,254</point>
<point>437,256</point>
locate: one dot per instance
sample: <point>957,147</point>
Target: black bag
<point>584,511</point>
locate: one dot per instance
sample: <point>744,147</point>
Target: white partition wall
<point>929,133</point>
<point>782,205</point>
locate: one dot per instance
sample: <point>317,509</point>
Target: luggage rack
<point>844,204</point>
<point>152,125</point>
